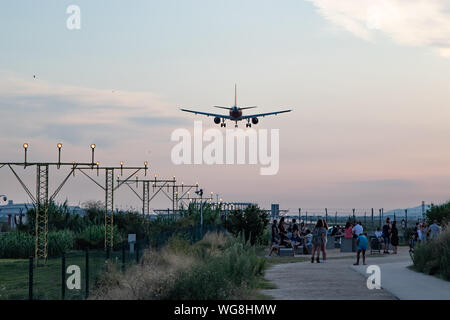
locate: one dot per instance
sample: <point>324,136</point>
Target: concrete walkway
<point>338,279</point>
<point>407,284</point>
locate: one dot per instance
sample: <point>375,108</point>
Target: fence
<point>371,218</point>
<point>73,275</point>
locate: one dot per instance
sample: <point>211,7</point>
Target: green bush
<point>434,256</point>
<point>219,277</point>
<point>439,213</point>
<point>59,242</point>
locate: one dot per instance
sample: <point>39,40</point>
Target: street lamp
<point>25,147</point>
<point>93,148</point>
<point>59,145</point>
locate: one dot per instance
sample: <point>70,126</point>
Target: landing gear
<point>223,125</point>
<point>248,124</point>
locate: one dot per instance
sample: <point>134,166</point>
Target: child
<point>362,243</point>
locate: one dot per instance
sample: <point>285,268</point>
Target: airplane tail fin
<point>235,95</point>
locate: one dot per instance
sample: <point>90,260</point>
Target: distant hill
<point>415,212</point>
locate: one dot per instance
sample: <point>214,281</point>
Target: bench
<point>286,252</point>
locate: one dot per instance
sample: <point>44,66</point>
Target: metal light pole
<point>42,197</point>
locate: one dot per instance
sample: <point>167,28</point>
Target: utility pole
<point>42,198</point>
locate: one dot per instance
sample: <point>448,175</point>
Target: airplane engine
<point>216,120</point>
<point>255,120</point>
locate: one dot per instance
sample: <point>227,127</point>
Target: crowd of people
<point>291,235</point>
<point>294,236</point>
<point>423,233</point>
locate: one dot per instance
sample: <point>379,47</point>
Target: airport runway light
<point>98,167</point>
<point>121,168</point>
<point>137,180</point>
<point>59,145</point>
<point>146,167</point>
<point>173,178</point>
<point>25,147</point>
<point>93,148</point>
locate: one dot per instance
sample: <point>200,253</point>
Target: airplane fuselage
<point>235,113</point>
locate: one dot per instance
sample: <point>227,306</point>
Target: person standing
<point>394,237</point>
<point>275,239</point>
<point>358,229</point>
<point>362,243</point>
<point>387,235</point>
<point>424,232</point>
<point>324,244</point>
<point>435,229</point>
<point>419,233</point>
<point>317,240</point>
<point>282,232</point>
<point>348,230</point>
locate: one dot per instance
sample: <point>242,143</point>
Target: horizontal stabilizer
<point>226,108</point>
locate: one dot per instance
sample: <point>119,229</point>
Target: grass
<point>14,276</point>
<point>219,267</point>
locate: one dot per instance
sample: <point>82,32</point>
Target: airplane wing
<point>207,114</point>
<point>264,114</point>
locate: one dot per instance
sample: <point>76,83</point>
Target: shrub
<point>434,256</point>
<point>440,213</point>
<point>59,242</point>
<point>220,277</point>
<point>94,237</point>
<point>252,222</point>
<point>217,267</point>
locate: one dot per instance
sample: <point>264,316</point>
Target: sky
<point>368,82</point>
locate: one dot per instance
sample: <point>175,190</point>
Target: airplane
<point>235,114</point>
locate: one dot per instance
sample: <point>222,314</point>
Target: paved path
<point>408,284</point>
<point>338,279</point>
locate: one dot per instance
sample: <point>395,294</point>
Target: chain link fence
<point>73,275</point>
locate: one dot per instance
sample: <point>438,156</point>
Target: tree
<point>440,213</point>
<point>252,222</point>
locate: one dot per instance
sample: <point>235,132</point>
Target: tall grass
<point>93,237</point>
<point>434,256</point>
<point>17,244</point>
<point>217,267</point>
